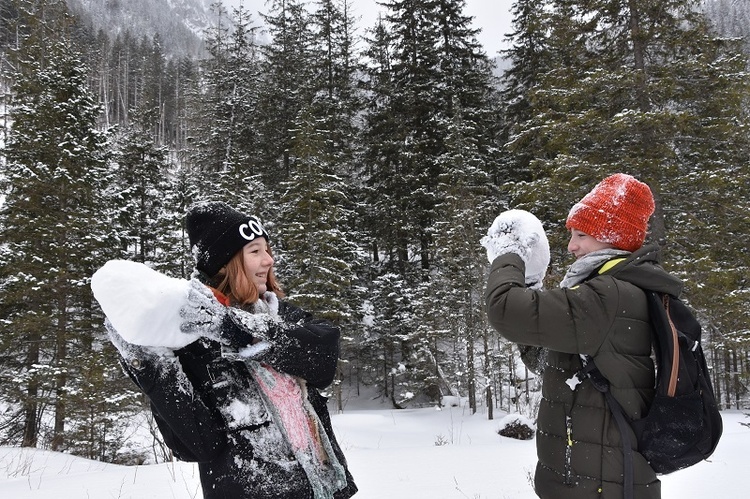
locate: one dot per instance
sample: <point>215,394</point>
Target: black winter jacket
<point>191,396</point>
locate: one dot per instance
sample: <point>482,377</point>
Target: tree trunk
<point>31,421</point>
<point>471,371</point>
<point>727,382</point>
<point>736,378</point>
<point>337,389</point>
<point>61,378</point>
<point>490,404</point>
<point>715,370</point>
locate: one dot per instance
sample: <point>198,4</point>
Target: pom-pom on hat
<point>217,232</point>
<point>616,211</point>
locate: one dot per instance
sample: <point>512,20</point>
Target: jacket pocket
<point>238,400</point>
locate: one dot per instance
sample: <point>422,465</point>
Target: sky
<point>491,16</point>
<point>396,454</point>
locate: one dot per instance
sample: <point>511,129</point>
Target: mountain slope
<point>179,23</point>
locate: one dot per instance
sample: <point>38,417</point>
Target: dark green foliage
<point>516,429</point>
<point>52,231</point>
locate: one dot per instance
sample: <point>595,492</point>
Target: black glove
<point>247,331</point>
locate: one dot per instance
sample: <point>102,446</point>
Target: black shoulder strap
<point>602,385</point>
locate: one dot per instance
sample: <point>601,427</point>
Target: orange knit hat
<point>616,211</point>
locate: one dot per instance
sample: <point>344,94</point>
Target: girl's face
<point>582,244</point>
<point>258,262</point>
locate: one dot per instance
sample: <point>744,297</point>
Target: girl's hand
<point>519,232</point>
<point>202,314</point>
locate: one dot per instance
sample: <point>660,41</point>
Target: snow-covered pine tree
<point>465,198</point>
<point>380,147</point>
<point>427,64</point>
<point>139,194</point>
<point>402,144</point>
<point>223,148</point>
<point>381,350</point>
<point>466,207</point>
<point>731,20</point>
<point>336,110</point>
<point>336,101</point>
<point>528,57</point>
<point>315,215</point>
<point>286,85</point>
<point>53,233</point>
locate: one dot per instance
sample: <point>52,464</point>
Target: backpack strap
<point>601,383</point>
<point>610,264</point>
<point>591,371</point>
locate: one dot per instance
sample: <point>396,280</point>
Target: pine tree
<point>286,86</point>
<point>335,111</point>
<point>730,321</point>
<point>393,317</point>
<point>223,154</point>
<point>381,145</point>
<point>467,204</point>
<point>139,193</point>
<point>427,67</point>
<point>529,57</point>
<point>316,216</point>
<point>52,232</point>
<point>337,101</point>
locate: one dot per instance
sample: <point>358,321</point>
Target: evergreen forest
<point>376,157</point>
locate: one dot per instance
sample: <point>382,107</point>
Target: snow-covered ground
<point>419,453</point>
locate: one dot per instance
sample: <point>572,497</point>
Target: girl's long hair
<point>232,281</point>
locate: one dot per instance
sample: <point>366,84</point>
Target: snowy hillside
<point>408,454</point>
<point>179,23</point>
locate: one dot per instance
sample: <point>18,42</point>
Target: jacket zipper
<point>569,450</point>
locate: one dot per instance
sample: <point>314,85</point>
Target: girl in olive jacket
<point>601,311</point>
<point>240,395</point>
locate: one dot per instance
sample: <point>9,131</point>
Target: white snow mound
<point>142,304</point>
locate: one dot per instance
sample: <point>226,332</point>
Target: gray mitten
<point>202,314</point>
<point>520,232</point>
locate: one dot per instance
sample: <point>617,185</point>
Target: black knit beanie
<point>217,232</point>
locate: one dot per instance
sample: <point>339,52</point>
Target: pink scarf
<point>286,399</point>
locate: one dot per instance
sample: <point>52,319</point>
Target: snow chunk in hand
<point>142,304</point>
<point>522,233</point>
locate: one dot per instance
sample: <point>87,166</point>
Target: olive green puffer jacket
<point>578,443</point>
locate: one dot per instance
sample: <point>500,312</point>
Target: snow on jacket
<point>578,443</point>
<point>210,410</point>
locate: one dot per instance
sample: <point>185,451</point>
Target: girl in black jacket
<point>242,399</point>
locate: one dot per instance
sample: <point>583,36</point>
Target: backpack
<point>683,424</point>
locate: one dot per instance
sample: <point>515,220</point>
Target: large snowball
<point>143,305</point>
